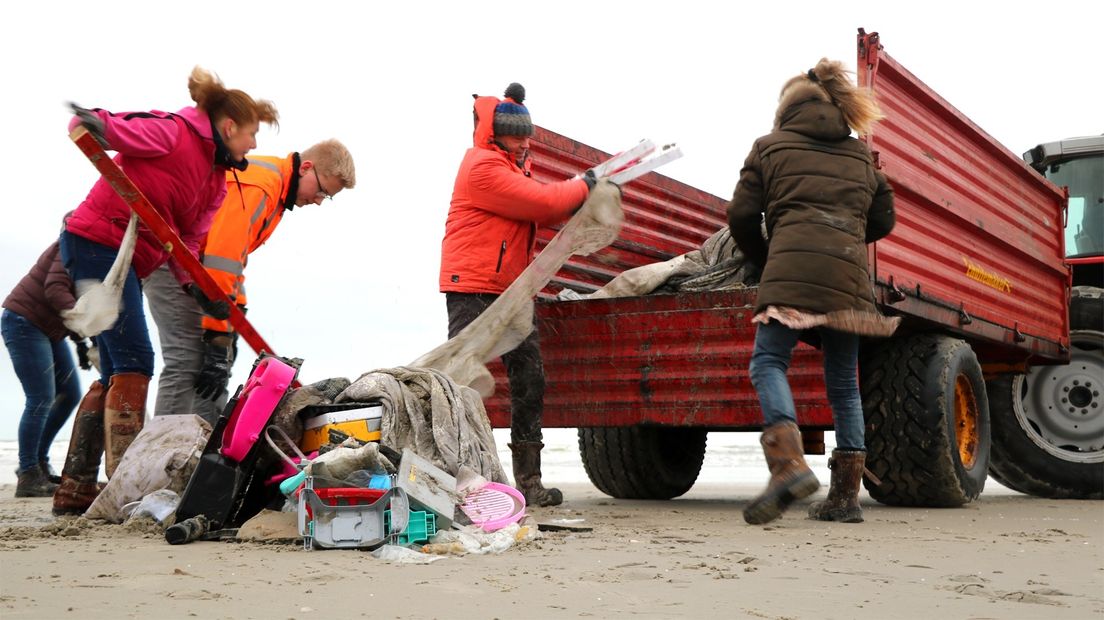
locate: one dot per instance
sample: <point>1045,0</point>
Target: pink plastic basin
<point>494,506</point>
<point>263,390</point>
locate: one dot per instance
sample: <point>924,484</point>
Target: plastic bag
<point>402,555</point>
<point>157,505</point>
<point>478,542</point>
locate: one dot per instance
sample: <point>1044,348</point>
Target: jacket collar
<point>293,185</point>
<point>222,155</point>
<point>205,127</point>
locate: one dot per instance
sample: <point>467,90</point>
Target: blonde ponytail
<point>828,81</point>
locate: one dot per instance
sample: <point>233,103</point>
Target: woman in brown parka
<point>823,201</point>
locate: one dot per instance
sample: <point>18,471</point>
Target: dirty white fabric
<point>162,456</point>
<point>98,303</point>
<point>508,320</point>
<point>717,265</point>
<point>426,411</point>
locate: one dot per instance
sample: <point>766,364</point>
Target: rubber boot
<point>78,486</point>
<point>49,472</point>
<point>124,416</point>
<point>843,495</point>
<point>32,482</point>
<point>791,479</point>
<point>527,474</point>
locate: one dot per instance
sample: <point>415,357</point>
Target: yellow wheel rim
<point>966,421</point>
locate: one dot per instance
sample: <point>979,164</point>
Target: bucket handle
<point>303,460</point>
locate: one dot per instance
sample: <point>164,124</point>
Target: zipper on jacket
<point>501,253</point>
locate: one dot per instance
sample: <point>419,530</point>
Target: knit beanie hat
<point>511,118</point>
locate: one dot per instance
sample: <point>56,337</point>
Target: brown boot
<point>791,479</point>
<point>82,463</point>
<point>843,496</point>
<point>527,474</point>
<point>124,416</point>
<point>32,482</point>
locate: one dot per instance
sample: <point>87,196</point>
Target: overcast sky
<point>352,285</point>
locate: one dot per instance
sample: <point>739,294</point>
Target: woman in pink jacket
<point>179,161</point>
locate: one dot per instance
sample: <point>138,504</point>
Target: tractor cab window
<point>1085,225</point>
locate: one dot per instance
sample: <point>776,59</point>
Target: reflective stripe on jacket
<point>253,207</point>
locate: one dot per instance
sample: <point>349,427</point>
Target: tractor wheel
<point>1048,425</point>
<point>927,421</point>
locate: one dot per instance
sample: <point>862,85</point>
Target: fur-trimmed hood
<point>805,107</point>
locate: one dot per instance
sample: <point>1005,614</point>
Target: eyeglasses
<point>321,190</point>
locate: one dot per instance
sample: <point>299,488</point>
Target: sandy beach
<point>1004,556</point>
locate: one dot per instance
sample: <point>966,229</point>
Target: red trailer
<point>975,267</point>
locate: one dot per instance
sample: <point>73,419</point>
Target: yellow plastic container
<point>362,423</point>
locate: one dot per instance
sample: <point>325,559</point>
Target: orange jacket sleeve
<point>496,188</point>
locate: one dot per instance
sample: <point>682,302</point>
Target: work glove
<point>82,354</point>
<point>91,122</point>
<point>590,179</point>
<point>214,376</point>
<point>217,309</point>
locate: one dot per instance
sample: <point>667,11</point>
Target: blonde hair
<point>828,81</point>
<point>217,101</point>
<point>331,158</point>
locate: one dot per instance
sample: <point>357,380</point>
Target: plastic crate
<point>352,521</point>
<point>420,527</point>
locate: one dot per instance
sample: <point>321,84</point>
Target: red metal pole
<point>131,195</point>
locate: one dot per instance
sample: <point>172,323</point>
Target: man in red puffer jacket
<point>490,235</point>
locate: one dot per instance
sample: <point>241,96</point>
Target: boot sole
<point>839,516</point>
<point>770,507</point>
<point>34,493</point>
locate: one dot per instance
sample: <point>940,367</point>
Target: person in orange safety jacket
<point>198,349</point>
<point>490,235</point>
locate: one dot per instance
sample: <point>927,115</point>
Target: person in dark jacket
<point>35,337</point>
<point>823,201</point>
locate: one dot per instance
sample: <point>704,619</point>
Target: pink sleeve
<point>137,134</point>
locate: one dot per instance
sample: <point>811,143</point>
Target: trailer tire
<point>642,462</point>
<point>1048,425</point>
<point>927,421</point>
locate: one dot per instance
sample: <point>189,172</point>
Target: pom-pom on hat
<point>511,117</point>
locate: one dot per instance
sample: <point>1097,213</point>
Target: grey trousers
<point>179,323</point>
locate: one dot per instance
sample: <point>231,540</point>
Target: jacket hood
<point>484,108</point>
<point>816,119</point>
<point>198,121</point>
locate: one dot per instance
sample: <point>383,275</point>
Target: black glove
<point>82,355</point>
<point>590,179</point>
<point>217,362</point>
<point>217,309</point>
<point>91,122</point>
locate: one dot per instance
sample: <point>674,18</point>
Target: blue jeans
<point>126,346</point>
<point>770,361</point>
<point>50,383</point>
